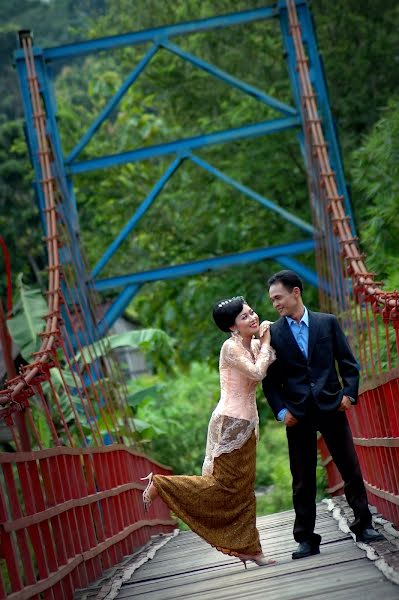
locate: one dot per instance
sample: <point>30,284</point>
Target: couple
<point>296,357</point>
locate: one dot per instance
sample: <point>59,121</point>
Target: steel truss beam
<point>149,35</point>
<point>208,264</point>
<point>185,145</point>
<point>133,282</point>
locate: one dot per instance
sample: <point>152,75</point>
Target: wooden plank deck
<point>188,568</point>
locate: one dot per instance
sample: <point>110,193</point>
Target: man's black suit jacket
<point>294,381</point>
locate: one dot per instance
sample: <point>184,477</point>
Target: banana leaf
<point>27,320</point>
<point>145,339</point>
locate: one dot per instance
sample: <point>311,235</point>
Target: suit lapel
<point>313,332</point>
<point>286,337</point>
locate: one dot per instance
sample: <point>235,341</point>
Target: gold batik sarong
<point>221,507</point>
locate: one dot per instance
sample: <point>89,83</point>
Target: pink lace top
<point>236,416</point>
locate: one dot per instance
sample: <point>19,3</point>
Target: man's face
<point>285,302</point>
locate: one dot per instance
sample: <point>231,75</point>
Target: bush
<point>273,471</point>
<point>181,411</point>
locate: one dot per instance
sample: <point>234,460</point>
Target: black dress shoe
<point>369,535</point>
<point>306,549</point>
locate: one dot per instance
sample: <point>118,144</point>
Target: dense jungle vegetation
<point>196,215</point>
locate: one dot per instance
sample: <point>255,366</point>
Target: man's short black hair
<point>289,279</point>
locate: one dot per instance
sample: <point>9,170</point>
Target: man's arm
<point>271,385</point>
<point>347,364</point>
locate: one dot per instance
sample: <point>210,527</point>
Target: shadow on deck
<point>185,567</point>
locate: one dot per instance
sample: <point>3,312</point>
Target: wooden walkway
<point>187,568</point>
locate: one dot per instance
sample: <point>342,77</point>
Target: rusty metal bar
<point>375,421</point>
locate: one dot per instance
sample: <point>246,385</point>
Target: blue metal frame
<point>183,149</point>
<point>152,35</point>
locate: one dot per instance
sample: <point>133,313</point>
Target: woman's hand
<point>264,332</point>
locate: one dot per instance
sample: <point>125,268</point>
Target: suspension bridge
<point>70,495</point>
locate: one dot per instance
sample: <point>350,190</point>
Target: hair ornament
<point>224,302</point>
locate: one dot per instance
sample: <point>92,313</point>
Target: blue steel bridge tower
<point>66,166</point>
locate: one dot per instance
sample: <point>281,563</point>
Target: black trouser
<point>302,446</point>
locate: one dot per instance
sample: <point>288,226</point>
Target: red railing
<point>369,315</point>
<point>68,514</point>
<point>71,507</point>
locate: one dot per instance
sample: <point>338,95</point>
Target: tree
<point>376,178</point>
<point>358,40</point>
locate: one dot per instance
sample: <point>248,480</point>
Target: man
<point>304,391</point>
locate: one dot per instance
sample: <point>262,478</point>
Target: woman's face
<point>247,322</point>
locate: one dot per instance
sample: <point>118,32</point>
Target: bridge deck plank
<point>187,568</point>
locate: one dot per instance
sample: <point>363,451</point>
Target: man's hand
<point>289,419</point>
<point>345,403</point>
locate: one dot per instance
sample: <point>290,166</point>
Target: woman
<point>220,505</point>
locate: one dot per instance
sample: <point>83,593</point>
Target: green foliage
<point>26,324</point>
<point>53,23</point>
<point>273,471</point>
<point>158,349</point>
<point>357,41</point>
<point>19,219</point>
<point>376,178</point>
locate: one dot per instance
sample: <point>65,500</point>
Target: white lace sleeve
<point>234,356</point>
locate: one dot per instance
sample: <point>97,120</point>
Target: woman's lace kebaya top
<point>236,416</point>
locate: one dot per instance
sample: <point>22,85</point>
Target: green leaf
<point>27,321</point>
<point>67,376</point>
<point>136,398</point>
<point>142,426</point>
<point>144,338</point>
